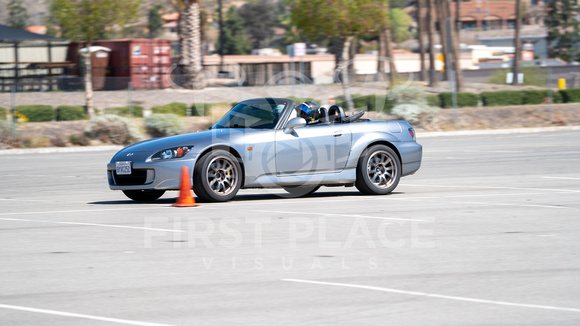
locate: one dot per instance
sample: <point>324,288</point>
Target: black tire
<point>217,176</point>
<point>144,195</point>
<point>378,171</point>
<point>300,191</point>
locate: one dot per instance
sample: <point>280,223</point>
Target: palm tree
<point>189,30</point>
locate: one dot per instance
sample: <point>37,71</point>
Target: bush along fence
<point>380,103</point>
<point>42,113</point>
<point>465,99</point>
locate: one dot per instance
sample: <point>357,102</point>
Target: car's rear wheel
<point>299,191</point>
<point>378,171</point>
<point>217,176</point>
<point>144,195</point>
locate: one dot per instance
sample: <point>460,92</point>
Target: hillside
<point>38,9</point>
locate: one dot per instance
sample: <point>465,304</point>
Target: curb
<point>494,131</point>
<point>46,150</point>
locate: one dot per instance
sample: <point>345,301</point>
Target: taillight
<point>412,133</point>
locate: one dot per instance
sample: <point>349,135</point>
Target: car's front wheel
<point>217,176</point>
<point>144,195</point>
<point>378,171</point>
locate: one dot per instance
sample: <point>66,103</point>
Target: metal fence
<point>63,76</point>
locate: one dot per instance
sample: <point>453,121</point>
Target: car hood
<point>198,139</point>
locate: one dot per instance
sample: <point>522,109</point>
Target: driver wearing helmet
<point>309,111</point>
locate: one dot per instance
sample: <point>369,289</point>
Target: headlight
<point>176,152</point>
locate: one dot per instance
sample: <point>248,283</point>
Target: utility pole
<point>517,44</point>
<point>221,25</point>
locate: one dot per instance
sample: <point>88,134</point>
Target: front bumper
<point>165,175</point>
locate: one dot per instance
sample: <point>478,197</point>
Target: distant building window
<point>468,25</point>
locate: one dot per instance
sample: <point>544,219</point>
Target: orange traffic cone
<point>185,198</point>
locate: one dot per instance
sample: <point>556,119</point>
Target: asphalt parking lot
<point>486,233</point>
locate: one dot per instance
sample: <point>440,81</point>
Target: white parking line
<point>343,215</point>
<point>28,200</point>
<point>513,205</point>
<point>417,199</point>
<point>562,178</point>
<point>375,288</point>
<point>69,314</point>
<point>93,224</point>
<point>471,196</point>
<point>491,187</point>
<point>52,175</point>
<point>81,210</point>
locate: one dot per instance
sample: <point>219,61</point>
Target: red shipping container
<point>143,62</point>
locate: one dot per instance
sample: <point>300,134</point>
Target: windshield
<point>255,114</point>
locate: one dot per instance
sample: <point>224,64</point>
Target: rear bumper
<point>411,155</point>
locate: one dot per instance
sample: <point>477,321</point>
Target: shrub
<point>571,95</point>
<point>380,103</point>
<point>217,111</point>
<point>411,105</point>
<point>540,96</point>
<point>68,113</point>
<point>360,102</point>
<point>341,101</point>
<point>557,97</point>
<point>161,125</point>
<point>36,113</point>
<point>79,140</point>
<point>179,109</point>
<point>464,99</point>
<point>3,113</point>
<point>200,109</point>
<point>433,100</point>
<point>125,111</point>
<point>113,129</point>
<point>415,113</point>
<point>7,130</point>
<point>407,95</point>
<point>502,98</point>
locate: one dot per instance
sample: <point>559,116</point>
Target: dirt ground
<point>63,134</point>
<point>71,133</point>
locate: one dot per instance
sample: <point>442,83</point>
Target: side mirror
<point>294,123</point>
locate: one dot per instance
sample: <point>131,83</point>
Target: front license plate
<point>123,167</point>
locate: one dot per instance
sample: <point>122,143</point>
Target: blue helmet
<point>309,108</point>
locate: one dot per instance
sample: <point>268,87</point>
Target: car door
<point>313,148</point>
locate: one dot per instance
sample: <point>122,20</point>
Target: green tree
<point>85,20</point>
<point>17,15</point>
<point>400,25</point>
<point>397,4</point>
<point>154,21</point>
<point>340,20</point>
<point>260,18</point>
<point>235,40</point>
<point>383,31</point>
<point>564,29</point>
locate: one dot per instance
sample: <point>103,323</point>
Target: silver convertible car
<point>265,143</point>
